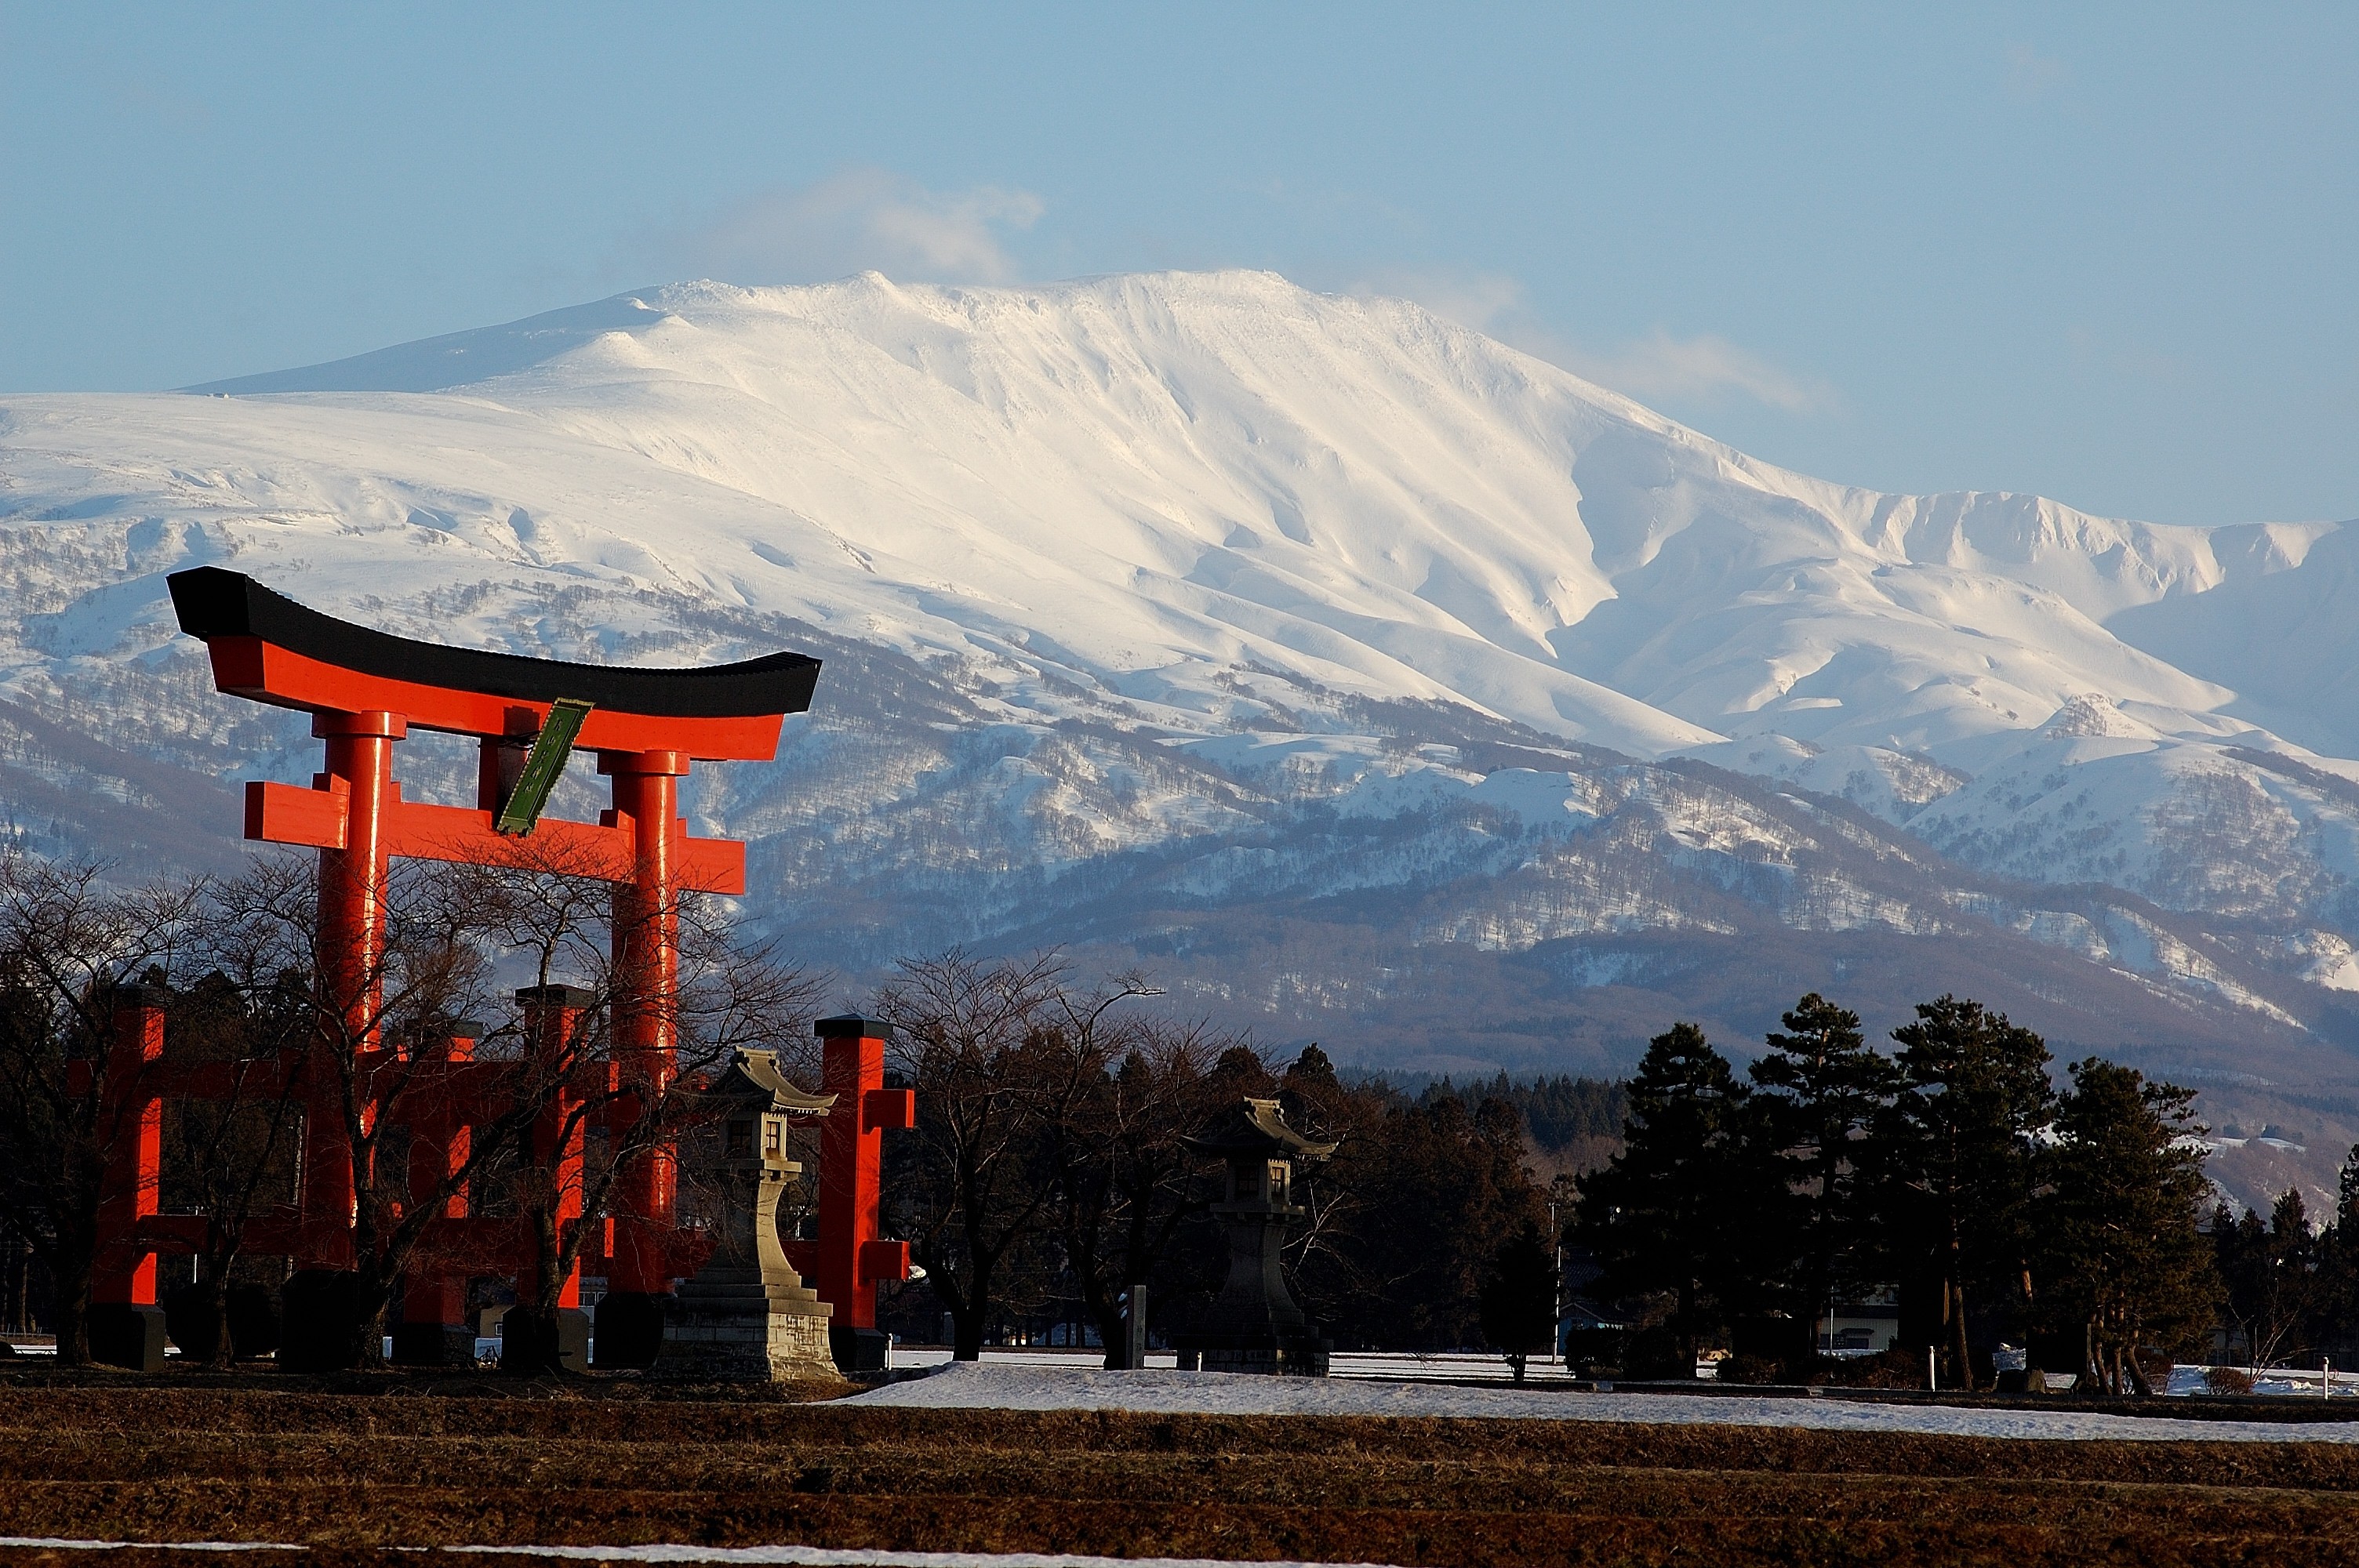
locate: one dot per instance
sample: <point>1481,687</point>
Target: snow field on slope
<point>1145,471</point>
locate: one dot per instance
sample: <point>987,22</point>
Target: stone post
<point>1134,1329</point>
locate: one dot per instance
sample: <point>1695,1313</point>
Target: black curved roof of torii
<point>213,602</point>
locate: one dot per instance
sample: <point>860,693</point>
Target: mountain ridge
<point>1203,619</point>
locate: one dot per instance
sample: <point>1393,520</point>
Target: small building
<point>1867,1325</point>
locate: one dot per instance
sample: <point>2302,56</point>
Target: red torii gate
<point>365,689</point>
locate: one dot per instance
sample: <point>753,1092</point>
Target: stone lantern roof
<point>1255,1130</point>
<point>755,1075</point>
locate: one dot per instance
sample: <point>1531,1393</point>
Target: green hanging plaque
<point>541,767</point>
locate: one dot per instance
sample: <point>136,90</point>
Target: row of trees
<point>1954,1167</point>
<point>2289,1288</point>
<point>1047,1178</point>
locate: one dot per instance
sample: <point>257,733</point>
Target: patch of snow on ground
<point>1388,1365</point>
<point>972,1387</point>
<point>668,1552</point>
<point>842,1557</point>
<point>67,1543</point>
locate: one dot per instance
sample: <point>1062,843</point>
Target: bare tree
<point>1124,1183</point>
<point>69,940</point>
<point>357,1019</point>
<point>1004,1053</point>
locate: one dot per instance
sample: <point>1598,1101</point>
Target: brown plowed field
<point>357,1468</point>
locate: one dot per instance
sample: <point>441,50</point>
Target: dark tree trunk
<point>216,1284</point>
<point>70,1272</point>
<point>966,1329</point>
<point>1954,1309</point>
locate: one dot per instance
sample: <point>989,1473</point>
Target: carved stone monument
<point>747,1316</point>
<point>1254,1325</point>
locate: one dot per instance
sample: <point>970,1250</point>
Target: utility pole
<point>1556,1290</point>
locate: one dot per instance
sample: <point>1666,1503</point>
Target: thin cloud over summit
<point>853,222</point>
<point>1659,366</point>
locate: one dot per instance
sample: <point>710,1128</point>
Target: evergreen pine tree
<point>1519,1302</point>
<point>1821,1088</point>
<point>2122,1261</point>
<point>2334,1325</point>
<point>2232,1242</point>
<point>2271,1279</point>
<point>1957,1159</point>
<point>1667,1213</point>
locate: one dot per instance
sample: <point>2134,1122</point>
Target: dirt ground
<point>355,1468</point>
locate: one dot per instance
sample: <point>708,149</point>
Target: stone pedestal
<point>434,1345</point>
<point>319,1325</point>
<point>730,1325</point>
<point>747,1316</point>
<point>533,1342</point>
<point>858,1350</point>
<point>1256,1324</point>
<point>190,1317</point>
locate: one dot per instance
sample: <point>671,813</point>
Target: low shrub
<point>1753,1369</point>
<point>2227,1380</point>
<point>1893,1368</point>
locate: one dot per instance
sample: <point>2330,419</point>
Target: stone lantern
<point>1255,1325</point>
<point>747,1316</point>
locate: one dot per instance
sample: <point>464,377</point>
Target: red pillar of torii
<point>365,690</point>
<point>846,1260</point>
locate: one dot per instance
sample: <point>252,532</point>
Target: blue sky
<point>2108,254</point>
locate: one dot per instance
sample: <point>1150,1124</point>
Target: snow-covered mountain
<point>1362,675</point>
